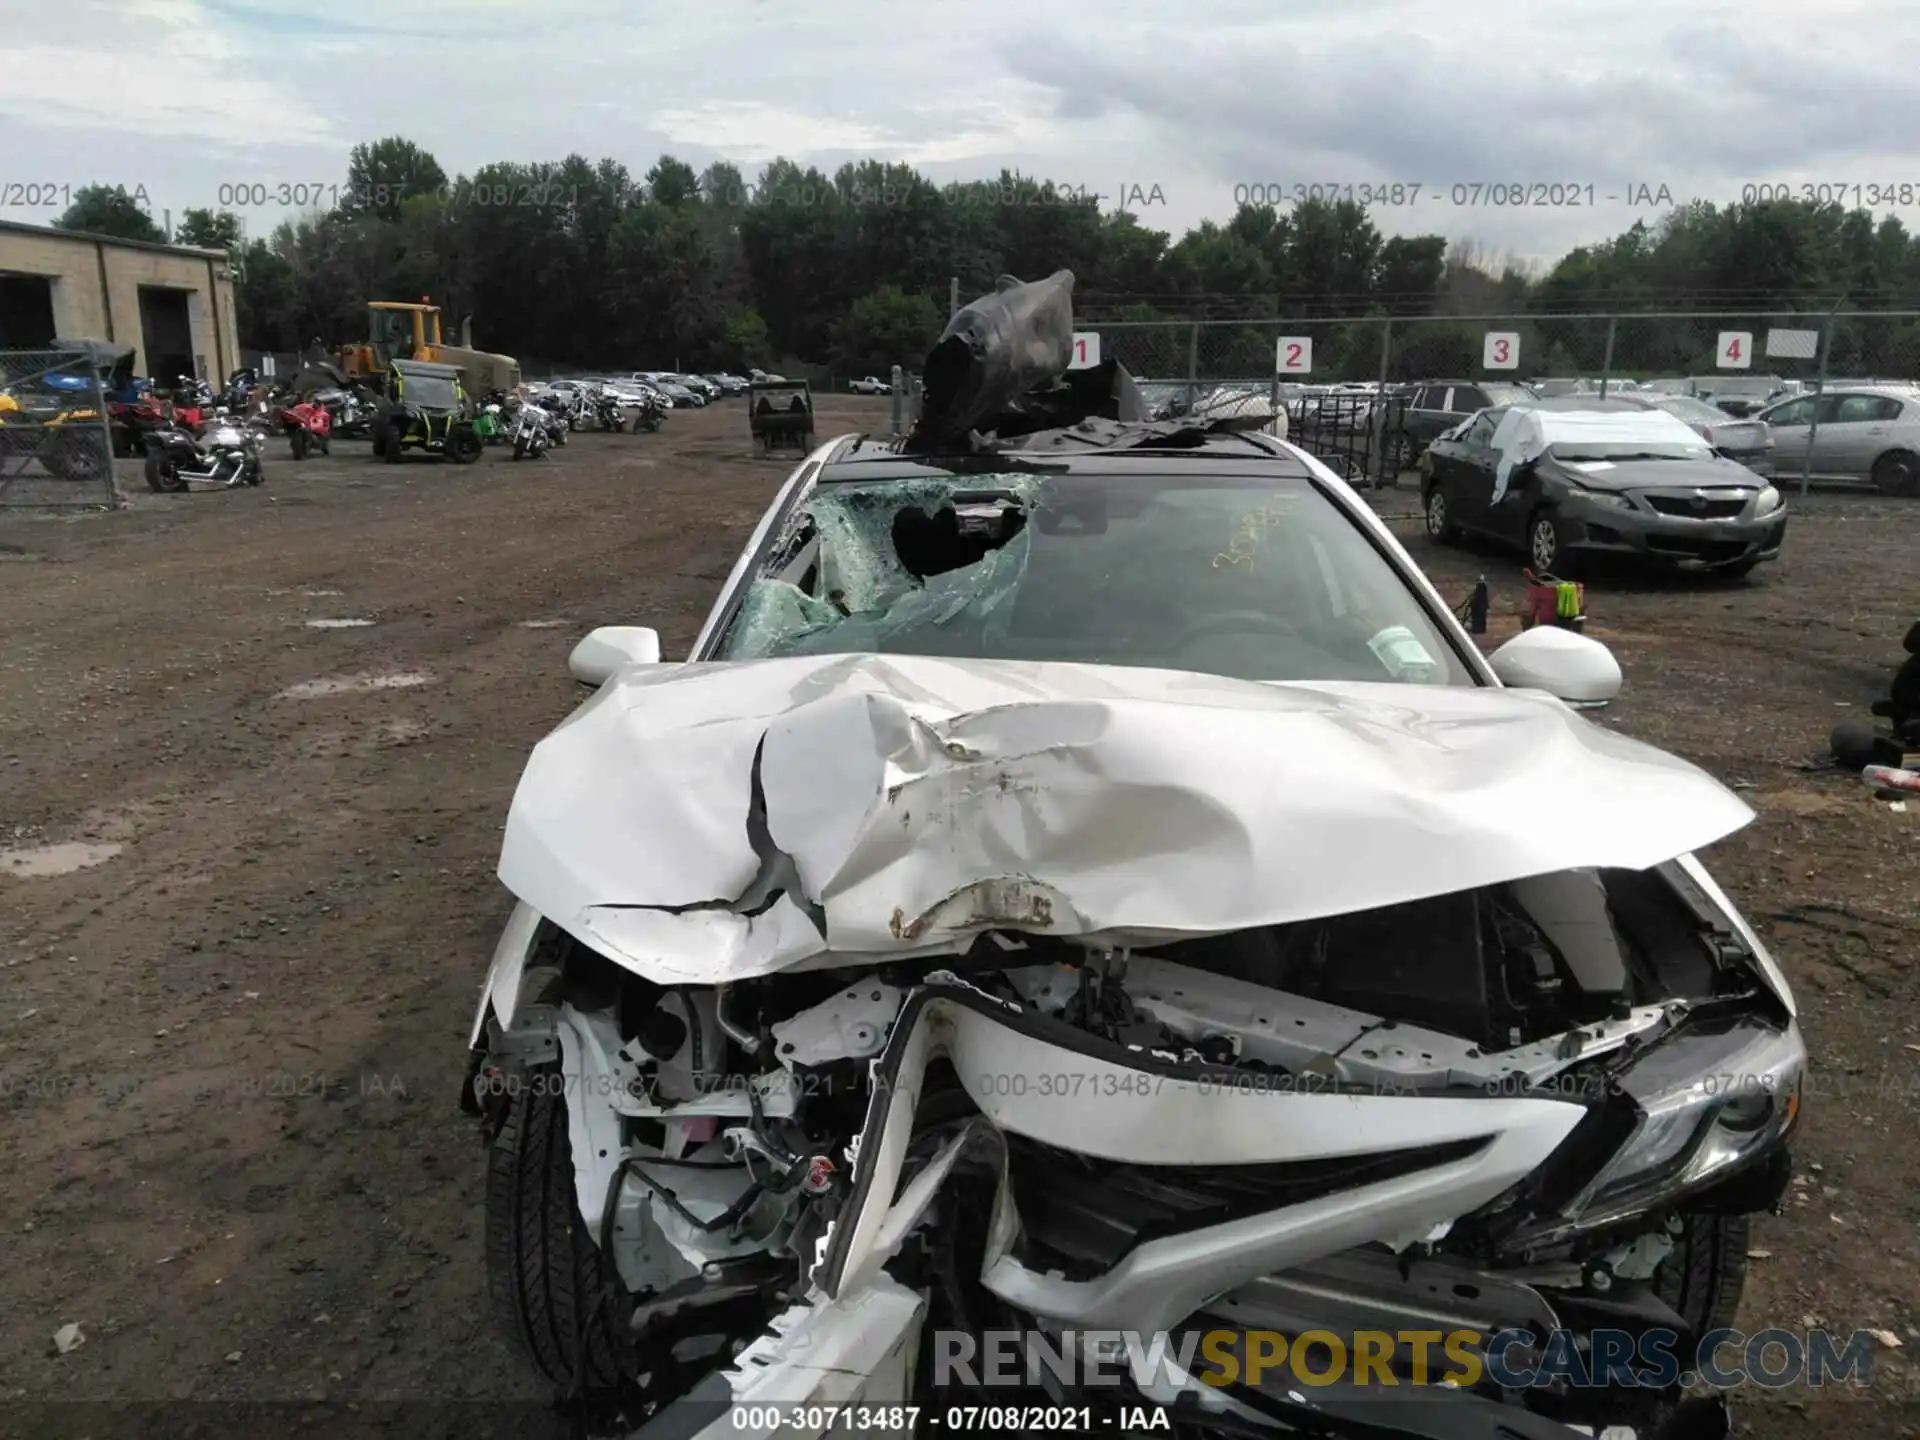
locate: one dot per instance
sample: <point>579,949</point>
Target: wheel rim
<point>1899,477</point>
<point>1436,513</point>
<point>1546,545</point>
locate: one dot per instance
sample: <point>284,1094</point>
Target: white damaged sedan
<point>1096,888</point>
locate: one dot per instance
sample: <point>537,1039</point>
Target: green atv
<point>425,408</point>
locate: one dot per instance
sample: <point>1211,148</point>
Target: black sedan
<point>1577,486</point>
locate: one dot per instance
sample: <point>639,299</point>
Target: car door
<point>1469,481</point>
<point>1842,448</point>
<point>1789,424</point>
<point>1862,427</point>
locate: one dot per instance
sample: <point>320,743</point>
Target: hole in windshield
<point>1263,580</point>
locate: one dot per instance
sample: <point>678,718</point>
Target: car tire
<point>550,1288</point>
<point>1706,1272</point>
<point>463,447</point>
<point>1545,554</point>
<point>1440,527</point>
<point>1897,473</point>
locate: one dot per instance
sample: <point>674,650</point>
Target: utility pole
<point>953,296</point>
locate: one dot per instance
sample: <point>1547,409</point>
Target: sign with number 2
<point>1294,356</point>
<point>1501,352</point>
<point>1086,350</point>
<point>1736,350</point>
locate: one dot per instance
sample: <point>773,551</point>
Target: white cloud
<point>1703,98</point>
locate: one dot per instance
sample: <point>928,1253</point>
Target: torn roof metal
<point>711,822</point>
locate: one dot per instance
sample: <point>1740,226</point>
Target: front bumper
<point>1674,540</point>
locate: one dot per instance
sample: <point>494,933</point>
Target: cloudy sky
<point>1186,107</point>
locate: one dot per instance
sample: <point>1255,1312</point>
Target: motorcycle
<point>350,413</point>
<point>227,456</point>
<point>308,426</point>
<point>608,412</point>
<point>490,421</point>
<point>531,430</point>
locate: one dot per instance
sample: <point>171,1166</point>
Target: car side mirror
<point>1572,667</point>
<point>612,648</point>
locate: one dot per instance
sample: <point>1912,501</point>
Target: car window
<point>1795,412</point>
<point>1466,399</point>
<point>1481,431</point>
<point>1856,409</point>
<point>1256,577</point>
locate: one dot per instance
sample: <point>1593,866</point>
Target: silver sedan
<point>1853,435</point>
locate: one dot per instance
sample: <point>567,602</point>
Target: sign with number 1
<point>1502,351</point>
<point>1294,355</point>
<point>1736,350</point>
<point>1086,350</point>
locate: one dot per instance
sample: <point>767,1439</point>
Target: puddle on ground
<point>338,624</point>
<point>355,685</point>
<point>43,860</point>
<point>542,624</point>
<point>322,594</point>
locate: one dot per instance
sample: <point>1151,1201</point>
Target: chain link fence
<point>1726,356</point>
<point>56,446</point>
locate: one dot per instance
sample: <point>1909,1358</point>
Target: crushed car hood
<point>712,822</point>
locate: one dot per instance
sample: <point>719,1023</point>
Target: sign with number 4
<point>1502,351</point>
<point>1086,350</point>
<point>1736,350</point>
<point>1294,356</point>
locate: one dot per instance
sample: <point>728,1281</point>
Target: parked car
<point>1572,478</point>
<point>1435,406</point>
<point>1738,395</point>
<point>1860,435</point>
<point>1746,442</point>
<point>871,385</point>
<point>1090,803</point>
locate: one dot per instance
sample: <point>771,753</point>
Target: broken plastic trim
<point>1192,1122</point>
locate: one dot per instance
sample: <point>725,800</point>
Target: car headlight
<point>1768,501</point>
<point>1612,499</point>
<point>1706,1105</point>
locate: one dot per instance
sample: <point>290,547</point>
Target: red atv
<point>308,426</point>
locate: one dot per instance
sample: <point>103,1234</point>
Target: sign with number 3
<point>1294,356</point>
<point>1736,350</point>
<point>1086,350</point>
<point>1502,351</point>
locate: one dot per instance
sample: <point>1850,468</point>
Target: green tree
<point>885,328</point>
<point>110,210</point>
<point>209,230</point>
<point>672,182</point>
<point>385,172</point>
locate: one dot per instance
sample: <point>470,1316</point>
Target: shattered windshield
<point>1261,579</point>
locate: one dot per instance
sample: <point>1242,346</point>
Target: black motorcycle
<point>228,455</point>
<point>608,412</point>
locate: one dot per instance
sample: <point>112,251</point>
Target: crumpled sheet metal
<point>913,802</point>
<point>995,350</point>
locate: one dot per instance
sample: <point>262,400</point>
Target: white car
<point>1106,892</point>
<point>871,385</point>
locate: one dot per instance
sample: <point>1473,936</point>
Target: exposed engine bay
<point>1480,1110</point>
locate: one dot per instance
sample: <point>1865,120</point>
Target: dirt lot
<point>230,1053</point>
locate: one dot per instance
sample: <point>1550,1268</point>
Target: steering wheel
<point>1227,622</point>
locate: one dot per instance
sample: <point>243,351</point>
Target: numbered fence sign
<point>1502,350</point>
<point>1086,350</point>
<point>1294,355</point>
<point>1736,350</point>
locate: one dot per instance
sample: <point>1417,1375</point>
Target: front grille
<point>1081,1216</point>
<point>1712,551</point>
<point>1709,509</point>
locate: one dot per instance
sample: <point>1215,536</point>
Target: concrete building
<point>173,304</point>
